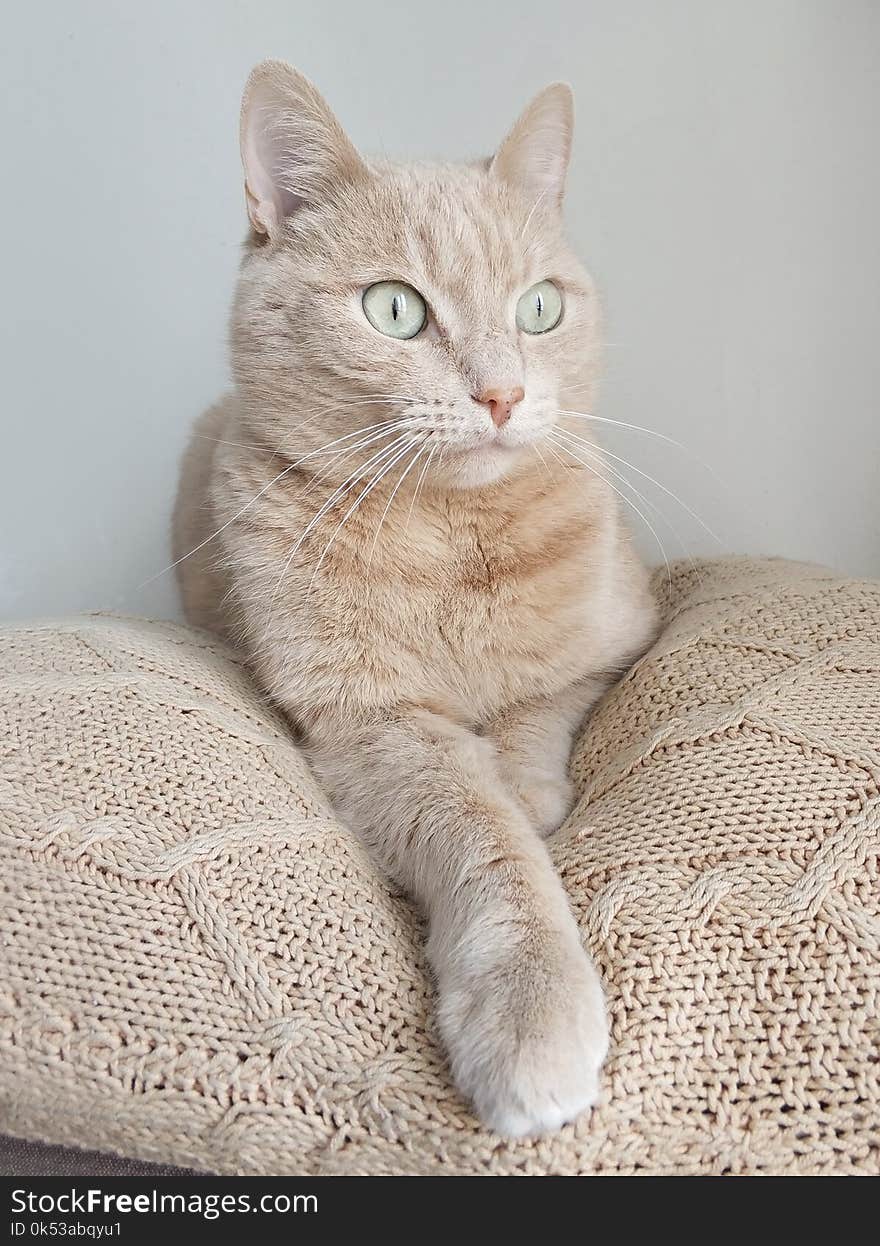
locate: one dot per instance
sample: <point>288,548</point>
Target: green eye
<point>540,308</point>
<point>395,309</point>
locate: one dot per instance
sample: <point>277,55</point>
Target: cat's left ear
<point>534,156</point>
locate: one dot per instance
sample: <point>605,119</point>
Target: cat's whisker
<point>606,453</point>
<point>591,467</point>
<point>537,451</point>
<point>340,457</point>
<point>558,457</point>
<point>336,460</point>
<point>650,432</point>
<point>365,400</point>
<point>324,410</point>
<point>242,445</point>
<point>602,456</point>
<point>315,414</point>
<point>599,457</point>
<point>274,481</point>
<point>340,492</point>
<point>421,478</point>
<point>334,457</point>
<point>336,407</point>
<point>636,428</point>
<point>386,468</point>
<point>346,486</point>
<point>403,477</point>
<point>374,435</point>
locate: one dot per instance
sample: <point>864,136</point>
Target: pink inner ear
<point>292,147</point>
<point>267,160</point>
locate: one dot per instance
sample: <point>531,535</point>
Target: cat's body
<point>437,632</point>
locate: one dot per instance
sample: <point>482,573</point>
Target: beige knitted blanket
<point>199,965</point>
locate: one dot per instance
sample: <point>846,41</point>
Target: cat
<point>399,521</point>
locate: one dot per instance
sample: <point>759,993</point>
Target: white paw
<point>547,798</point>
<point>526,1044</point>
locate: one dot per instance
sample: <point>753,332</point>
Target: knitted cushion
<point>199,965</point>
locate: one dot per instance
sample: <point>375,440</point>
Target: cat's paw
<point>527,1046</point>
<point>546,798</point>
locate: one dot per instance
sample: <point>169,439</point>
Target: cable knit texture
<point>200,966</point>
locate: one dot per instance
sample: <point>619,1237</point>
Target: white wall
<point>724,191</point>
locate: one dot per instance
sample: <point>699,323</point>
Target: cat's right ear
<point>293,149</point>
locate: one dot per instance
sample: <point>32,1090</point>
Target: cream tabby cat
<point>421,564</point>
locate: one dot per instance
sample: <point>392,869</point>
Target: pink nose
<point>500,400</point>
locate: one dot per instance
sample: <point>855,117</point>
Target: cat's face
<point>431,307</point>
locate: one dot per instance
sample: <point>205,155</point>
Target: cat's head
<point>441,296</point>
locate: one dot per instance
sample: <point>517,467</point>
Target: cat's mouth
<point>491,446</point>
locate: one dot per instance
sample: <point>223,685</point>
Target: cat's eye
<point>395,309</point>
<point>540,308</point>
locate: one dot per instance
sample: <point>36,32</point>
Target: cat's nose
<point>500,399</point>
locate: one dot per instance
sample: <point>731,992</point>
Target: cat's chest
<point>484,615</point>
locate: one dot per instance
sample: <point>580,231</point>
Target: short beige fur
<point>433,602</point>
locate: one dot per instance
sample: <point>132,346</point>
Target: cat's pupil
<point>398,306</point>
<point>540,301</point>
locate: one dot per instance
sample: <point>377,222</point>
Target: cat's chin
<point>481,466</point>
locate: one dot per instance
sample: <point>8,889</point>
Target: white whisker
<point>598,456</point>
<point>290,467</point>
<point>606,453</point>
<point>403,477</point>
<point>371,485</point>
<point>337,408</point>
<point>425,467</point>
<point>242,445</point>
<point>591,467</point>
<point>558,457</point>
<point>543,460</point>
<point>340,492</point>
<point>650,432</point>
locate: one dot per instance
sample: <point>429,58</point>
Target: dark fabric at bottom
<point>32,1159</point>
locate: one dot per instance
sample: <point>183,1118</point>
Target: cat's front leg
<point>534,742</point>
<point>520,1006</point>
